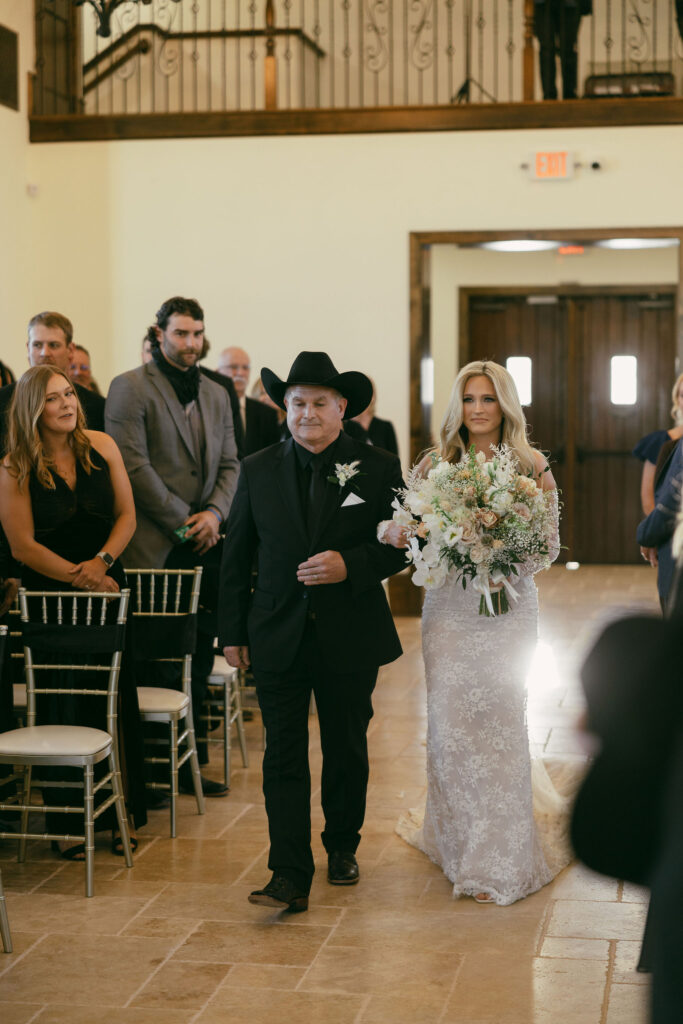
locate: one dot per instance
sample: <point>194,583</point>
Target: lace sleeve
<point>530,566</point>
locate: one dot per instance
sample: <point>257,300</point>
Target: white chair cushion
<point>221,669</point>
<point>155,700</point>
<point>54,740</point>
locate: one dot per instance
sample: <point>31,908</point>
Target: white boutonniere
<point>343,472</point>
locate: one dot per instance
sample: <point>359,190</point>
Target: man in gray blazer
<point>175,431</point>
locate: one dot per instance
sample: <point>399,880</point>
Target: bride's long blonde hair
<point>25,451</point>
<point>454,434</point>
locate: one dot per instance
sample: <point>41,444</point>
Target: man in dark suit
<point>50,342</point>
<point>259,421</point>
<point>306,511</point>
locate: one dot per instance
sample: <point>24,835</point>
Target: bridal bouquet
<point>482,519</point>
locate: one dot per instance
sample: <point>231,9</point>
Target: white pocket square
<point>352,499</point>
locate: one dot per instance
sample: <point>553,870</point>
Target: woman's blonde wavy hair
<point>25,451</point>
<point>676,411</point>
<point>454,434</point>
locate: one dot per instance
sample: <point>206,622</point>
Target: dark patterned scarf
<point>185,383</point>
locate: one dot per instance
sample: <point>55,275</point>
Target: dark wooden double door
<point>570,340</point>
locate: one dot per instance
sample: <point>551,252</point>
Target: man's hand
<point>204,527</point>
<point>650,555</point>
<point>325,567</point>
<point>238,657</point>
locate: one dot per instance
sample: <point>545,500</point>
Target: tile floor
<point>174,941</point>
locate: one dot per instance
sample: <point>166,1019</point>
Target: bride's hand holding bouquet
<point>481,518</point>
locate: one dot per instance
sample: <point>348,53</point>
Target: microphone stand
<point>463,93</point>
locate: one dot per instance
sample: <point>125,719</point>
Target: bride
<point>478,823</point>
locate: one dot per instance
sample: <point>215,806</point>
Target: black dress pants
<point>556,25</point>
<point>344,707</point>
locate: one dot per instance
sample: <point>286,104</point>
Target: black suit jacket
<point>263,427</point>
<point>266,525</point>
<point>92,404</point>
<point>382,433</point>
<point>226,382</point>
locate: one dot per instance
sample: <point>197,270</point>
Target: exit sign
<point>555,165</point>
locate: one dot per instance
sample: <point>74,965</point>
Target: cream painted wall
<point>15,203</point>
<point>294,243</point>
<point>453,268</point>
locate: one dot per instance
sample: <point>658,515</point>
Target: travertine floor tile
<point>254,1006</point>
<point>265,942</point>
<point>439,932</point>
<point>625,962</point>
<point>371,969</point>
<point>628,1004</point>
<point>421,1006</point>
<point>18,1013</point>
<point>578,882</point>
<point>185,859</point>
<point>576,949</point>
<point>635,893</point>
<point>65,972</point>
<point>68,1014</point>
<point>584,920</point>
<point>53,912</point>
<point>184,986</point>
<point>264,976</point>
<point>530,990</point>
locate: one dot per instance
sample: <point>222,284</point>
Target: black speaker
<point>9,68</point>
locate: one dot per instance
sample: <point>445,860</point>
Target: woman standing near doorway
<point>649,447</point>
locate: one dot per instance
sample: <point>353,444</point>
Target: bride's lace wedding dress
<point>485,824</point>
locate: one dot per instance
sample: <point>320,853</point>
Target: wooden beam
<point>465,117</point>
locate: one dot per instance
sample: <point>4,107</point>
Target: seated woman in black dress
<point>67,509</point>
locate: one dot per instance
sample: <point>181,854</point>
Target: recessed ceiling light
<point>521,245</point>
<point>637,243</point>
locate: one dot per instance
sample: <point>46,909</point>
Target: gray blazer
<point>147,421</point>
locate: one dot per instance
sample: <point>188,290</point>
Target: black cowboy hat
<point>317,370</point>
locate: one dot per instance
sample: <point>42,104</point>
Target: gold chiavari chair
<point>164,604</point>
<point>66,634</point>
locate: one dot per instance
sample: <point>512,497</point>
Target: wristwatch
<point>106,558</point>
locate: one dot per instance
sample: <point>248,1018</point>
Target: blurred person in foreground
<point>627,820</point>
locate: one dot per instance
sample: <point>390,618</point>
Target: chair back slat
<point>164,598</point>
<point>63,622</point>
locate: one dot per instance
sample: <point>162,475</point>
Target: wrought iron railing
<point>169,56</point>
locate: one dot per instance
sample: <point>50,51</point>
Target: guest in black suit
<point>378,432</point>
<point>50,341</point>
<point>259,421</point>
<point>306,511</point>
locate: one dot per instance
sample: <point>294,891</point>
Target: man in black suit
<point>50,342</point>
<point>306,511</point>
<point>259,421</point>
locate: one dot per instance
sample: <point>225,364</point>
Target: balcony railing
<point>236,56</point>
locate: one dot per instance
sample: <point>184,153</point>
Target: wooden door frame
<point>421,243</point>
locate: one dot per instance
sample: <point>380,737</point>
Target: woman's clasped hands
<point>91,575</point>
